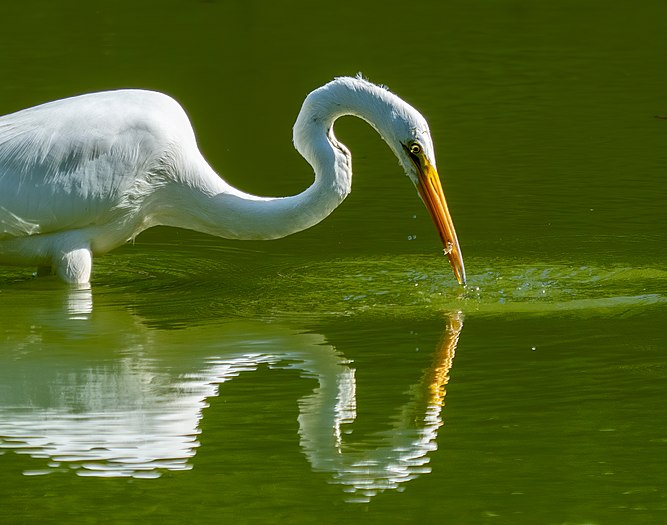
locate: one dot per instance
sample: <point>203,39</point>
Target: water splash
<point>416,287</point>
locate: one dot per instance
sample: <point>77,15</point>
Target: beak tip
<point>461,277</point>
<point>459,269</point>
<point>456,262</point>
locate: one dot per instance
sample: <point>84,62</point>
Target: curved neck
<point>228,212</point>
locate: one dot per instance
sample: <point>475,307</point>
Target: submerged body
<point>81,176</point>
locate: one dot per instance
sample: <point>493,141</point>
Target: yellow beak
<point>430,191</point>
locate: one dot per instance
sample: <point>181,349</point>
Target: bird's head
<point>408,135</point>
<point>401,126</point>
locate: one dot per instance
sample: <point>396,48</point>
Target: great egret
<point>83,175</point>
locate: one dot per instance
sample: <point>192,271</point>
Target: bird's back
<point>71,163</point>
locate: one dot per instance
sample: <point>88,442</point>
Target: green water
<point>341,375</point>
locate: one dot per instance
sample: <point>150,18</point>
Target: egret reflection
<point>138,414</point>
<point>404,449</point>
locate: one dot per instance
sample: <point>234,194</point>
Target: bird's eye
<point>415,148</point>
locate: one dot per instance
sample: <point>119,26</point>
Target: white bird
<point>83,175</point>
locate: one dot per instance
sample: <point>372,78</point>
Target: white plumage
<point>83,175</point>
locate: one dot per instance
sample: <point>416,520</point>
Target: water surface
<point>341,375</point>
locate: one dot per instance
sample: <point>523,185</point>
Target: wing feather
<point>70,163</point>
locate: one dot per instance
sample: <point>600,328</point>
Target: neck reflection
<point>403,452</point>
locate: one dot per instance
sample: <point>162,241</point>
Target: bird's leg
<point>74,266</point>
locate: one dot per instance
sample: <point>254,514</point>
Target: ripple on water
<point>181,288</point>
<point>283,286</point>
